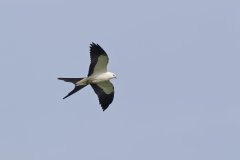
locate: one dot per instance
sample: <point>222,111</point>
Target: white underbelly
<point>99,78</point>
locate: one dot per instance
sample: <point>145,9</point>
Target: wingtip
<point>93,44</point>
<point>104,108</point>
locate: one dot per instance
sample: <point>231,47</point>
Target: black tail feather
<point>77,88</point>
<point>74,81</point>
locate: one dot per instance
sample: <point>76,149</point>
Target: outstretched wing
<point>105,93</point>
<point>99,60</point>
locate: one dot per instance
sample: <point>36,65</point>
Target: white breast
<point>101,77</point>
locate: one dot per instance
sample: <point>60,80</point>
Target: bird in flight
<point>98,77</point>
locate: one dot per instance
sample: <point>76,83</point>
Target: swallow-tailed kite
<point>98,77</point>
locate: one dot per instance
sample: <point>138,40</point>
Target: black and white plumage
<point>98,77</point>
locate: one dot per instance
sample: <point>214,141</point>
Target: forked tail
<point>74,81</point>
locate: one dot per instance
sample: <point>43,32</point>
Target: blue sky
<point>177,92</point>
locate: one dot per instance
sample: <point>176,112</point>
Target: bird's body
<point>98,77</point>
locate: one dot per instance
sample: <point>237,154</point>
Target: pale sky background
<point>177,96</point>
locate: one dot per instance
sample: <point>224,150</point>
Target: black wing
<point>99,60</point>
<point>105,92</point>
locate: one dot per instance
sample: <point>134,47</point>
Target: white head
<point>111,75</point>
